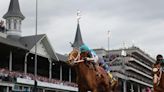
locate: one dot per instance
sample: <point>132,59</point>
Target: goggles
<point>162,60</point>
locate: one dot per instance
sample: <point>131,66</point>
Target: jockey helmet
<point>159,58</point>
<point>84,48</point>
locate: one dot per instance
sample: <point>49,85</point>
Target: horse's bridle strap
<point>79,61</point>
<point>158,78</point>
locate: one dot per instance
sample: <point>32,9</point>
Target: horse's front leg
<point>94,91</point>
<point>107,88</point>
<point>82,90</point>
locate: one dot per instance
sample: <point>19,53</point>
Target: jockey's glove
<point>85,59</point>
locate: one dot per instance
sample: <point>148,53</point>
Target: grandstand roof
<point>28,42</point>
<point>14,43</point>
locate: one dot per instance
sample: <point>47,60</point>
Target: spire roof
<point>14,10</point>
<point>78,38</point>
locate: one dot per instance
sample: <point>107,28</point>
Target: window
<point>9,21</point>
<point>15,24</point>
<point>19,24</point>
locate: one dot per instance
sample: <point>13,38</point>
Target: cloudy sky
<point>135,22</point>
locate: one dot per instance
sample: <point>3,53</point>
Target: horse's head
<point>73,56</point>
<point>156,73</point>
<point>156,69</point>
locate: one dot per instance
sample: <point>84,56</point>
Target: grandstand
<point>131,66</point>
<point>17,59</point>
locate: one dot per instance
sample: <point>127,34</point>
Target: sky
<point>133,22</point>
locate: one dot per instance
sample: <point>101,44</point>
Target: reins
<point>76,59</point>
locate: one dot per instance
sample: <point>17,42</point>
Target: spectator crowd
<point>11,76</point>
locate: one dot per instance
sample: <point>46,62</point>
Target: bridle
<point>156,77</point>
<point>74,57</point>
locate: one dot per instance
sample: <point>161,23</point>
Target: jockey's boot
<point>110,75</point>
<point>112,79</point>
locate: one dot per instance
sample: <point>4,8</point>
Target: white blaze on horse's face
<point>155,69</point>
<point>70,59</point>
<point>73,56</point>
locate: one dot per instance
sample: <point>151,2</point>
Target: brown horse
<point>158,78</point>
<point>87,78</point>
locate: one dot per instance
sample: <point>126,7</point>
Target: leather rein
<point>77,58</point>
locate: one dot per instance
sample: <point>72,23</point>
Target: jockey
<point>86,52</point>
<point>104,65</point>
<point>160,60</point>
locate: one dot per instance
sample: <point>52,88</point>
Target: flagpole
<point>36,29</point>
<point>35,64</point>
<point>108,39</point>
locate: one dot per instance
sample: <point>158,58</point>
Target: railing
<point>6,75</point>
<point>133,75</point>
<point>139,59</point>
<point>138,68</point>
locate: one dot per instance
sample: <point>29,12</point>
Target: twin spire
<point>78,41</point>
<point>14,18</point>
<point>14,10</point>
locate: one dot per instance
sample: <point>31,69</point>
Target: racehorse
<point>87,78</point>
<point>158,78</point>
